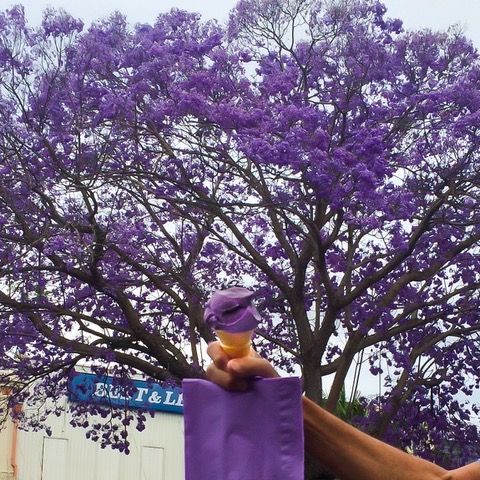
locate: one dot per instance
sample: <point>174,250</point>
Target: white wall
<point>6,436</point>
<point>6,439</point>
<point>156,453</point>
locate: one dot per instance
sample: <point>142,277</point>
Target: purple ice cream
<point>232,311</point>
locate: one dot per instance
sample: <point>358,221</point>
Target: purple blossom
<point>143,168</point>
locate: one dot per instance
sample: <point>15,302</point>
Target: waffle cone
<point>235,345</point>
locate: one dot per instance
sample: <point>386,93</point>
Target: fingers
<point>226,379</point>
<point>251,367</point>
<point>233,374</point>
<point>218,355</point>
<point>219,373</point>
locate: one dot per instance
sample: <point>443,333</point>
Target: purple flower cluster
<point>333,168</point>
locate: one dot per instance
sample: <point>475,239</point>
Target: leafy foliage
<point>312,150</point>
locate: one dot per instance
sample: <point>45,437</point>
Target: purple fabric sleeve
<point>253,435</point>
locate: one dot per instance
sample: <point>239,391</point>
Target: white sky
<point>434,14</point>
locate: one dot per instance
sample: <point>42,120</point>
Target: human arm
<point>342,449</point>
<point>468,472</point>
<point>351,454</point>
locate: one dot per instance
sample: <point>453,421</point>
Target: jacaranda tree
<point>312,151</point>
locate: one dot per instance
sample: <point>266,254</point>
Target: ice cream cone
<point>235,345</point>
<point>233,316</point>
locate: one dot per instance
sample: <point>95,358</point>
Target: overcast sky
<point>434,14</point>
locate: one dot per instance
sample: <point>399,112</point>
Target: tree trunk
<point>340,376</point>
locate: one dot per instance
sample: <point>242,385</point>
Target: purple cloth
<point>232,310</point>
<point>253,435</point>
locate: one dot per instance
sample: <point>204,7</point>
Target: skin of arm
<point>344,450</point>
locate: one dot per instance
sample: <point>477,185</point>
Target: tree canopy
<point>312,151</point>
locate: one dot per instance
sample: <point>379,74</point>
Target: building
<point>8,444</point>
<point>156,453</point>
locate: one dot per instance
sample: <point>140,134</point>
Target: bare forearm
<point>352,455</point>
<point>347,452</point>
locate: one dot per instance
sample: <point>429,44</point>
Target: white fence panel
<point>55,459</point>
<point>152,463</point>
<point>156,453</point>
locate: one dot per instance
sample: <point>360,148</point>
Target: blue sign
<point>140,394</point>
